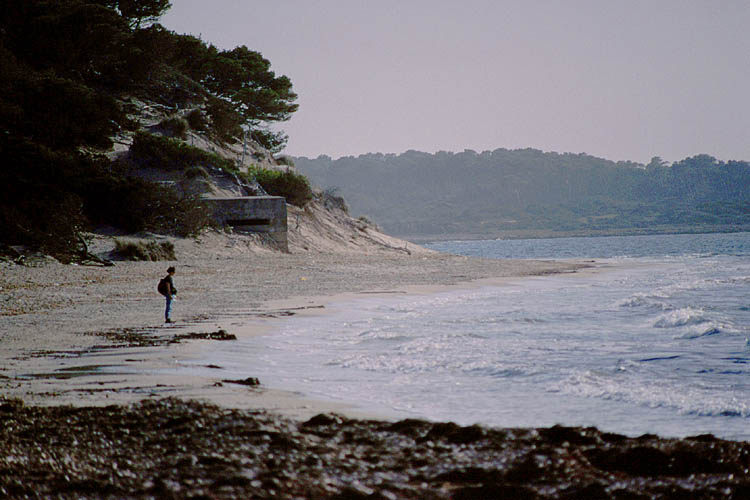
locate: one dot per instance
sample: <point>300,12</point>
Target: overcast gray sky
<point>624,80</point>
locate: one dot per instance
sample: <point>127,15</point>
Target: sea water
<point>654,341</point>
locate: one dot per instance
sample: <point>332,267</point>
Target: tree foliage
<point>488,193</point>
<point>289,184</point>
<point>65,66</point>
<point>75,39</point>
<point>245,79</point>
<point>57,112</point>
<point>34,209</point>
<point>139,12</point>
<point>240,77</point>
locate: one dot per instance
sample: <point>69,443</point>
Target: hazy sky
<point>624,80</point>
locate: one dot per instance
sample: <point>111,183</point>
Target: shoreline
<point>55,354</point>
<point>301,307</point>
<point>77,431</point>
<point>535,234</point>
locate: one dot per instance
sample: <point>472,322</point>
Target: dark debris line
<point>175,449</point>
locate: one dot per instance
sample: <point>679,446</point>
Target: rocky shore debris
<point>150,337</point>
<point>217,335</point>
<point>171,448</point>
<point>249,381</point>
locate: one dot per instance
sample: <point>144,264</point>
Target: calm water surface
<point>656,341</point>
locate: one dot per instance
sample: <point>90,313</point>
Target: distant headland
<point>531,193</point>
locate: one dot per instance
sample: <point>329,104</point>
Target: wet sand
<point>89,408</point>
<point>86,335</point>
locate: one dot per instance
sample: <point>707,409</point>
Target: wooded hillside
<point>526,192</point>
<point>76,75</point>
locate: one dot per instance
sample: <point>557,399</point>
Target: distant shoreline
<point>532,234</point>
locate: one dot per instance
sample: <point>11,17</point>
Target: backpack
<point>162,286</point>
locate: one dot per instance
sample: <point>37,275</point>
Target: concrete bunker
<point>253,214</point>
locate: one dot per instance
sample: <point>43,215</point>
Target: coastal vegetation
<point>530,192</point>
<point>156,151</point>
<point>145,250</point>
<point>289,184</point>
<point>74,77</point>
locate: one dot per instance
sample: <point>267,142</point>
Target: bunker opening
<point>248,222</point>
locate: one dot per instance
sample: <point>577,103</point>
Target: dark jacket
<point>171,290</point>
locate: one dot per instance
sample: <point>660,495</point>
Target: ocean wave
<point>736,409</point>
<point>740,360</point>
<point>681,317</point>
<point>713,330</point>
<point>660,358</point>
<point>686,400</point>
<point>704,255</point>
<point>384,334</point>
<point>644,300</point>
<point>382,364</point>
<point>495,371</point>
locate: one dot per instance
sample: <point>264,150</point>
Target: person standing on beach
<point>169,292</point>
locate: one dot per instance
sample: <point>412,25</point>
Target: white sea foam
<point>645,300</point>
<point>657,345</point>
<point>681,317</point>
<point>685,399</point>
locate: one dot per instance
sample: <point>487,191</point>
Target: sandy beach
<point>89,408</point>
<point>61,324</point>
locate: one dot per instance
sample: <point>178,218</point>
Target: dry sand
<point>192,437</point>
<point>59,325</point>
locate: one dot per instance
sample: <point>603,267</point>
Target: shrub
<point>145,250</point>
<point>39,201</point>
<point>72,114</point>
<point>47,198</point>
<point>197,120</point>
<point>175,127</point>
<point>285,160</point>
<point>272,141</point>
<point>150,207</point>
<point>154,151</point>
<point>50,223</point>
<point>363,222</point>
<point>196,171</point>
<point>291,185</point>
<point>225,121</point>
<point>331,200</point>
<point>190,217</point>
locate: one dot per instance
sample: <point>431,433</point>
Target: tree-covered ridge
<point>496,192</point>
<point>69,72</point>
<point>113,46</point>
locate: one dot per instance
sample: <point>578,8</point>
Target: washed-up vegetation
<point>174,449</point>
